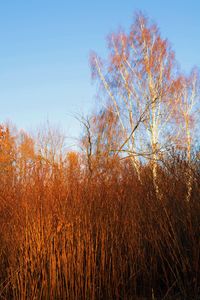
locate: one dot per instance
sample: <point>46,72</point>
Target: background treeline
<point>119,218</point>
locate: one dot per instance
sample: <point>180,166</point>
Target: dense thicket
<point>69,233</point>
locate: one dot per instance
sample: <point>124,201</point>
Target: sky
<point>45,47</point>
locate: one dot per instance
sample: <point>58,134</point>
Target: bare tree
<point>187,119</point>
<point>50,142</point>
<point>101,135</point>
<point>141,81</point>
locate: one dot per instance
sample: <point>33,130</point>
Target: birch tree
<point>188,113</point>
<point>140,79</point>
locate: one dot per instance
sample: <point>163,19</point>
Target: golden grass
<point>65,235</point>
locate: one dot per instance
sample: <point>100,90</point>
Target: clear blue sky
<point>45,45</point>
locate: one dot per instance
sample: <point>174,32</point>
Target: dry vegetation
<point>67,233</point>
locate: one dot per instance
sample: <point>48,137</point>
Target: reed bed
<point>68,234</point>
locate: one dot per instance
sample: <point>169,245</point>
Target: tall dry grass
<point>68,234</point>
